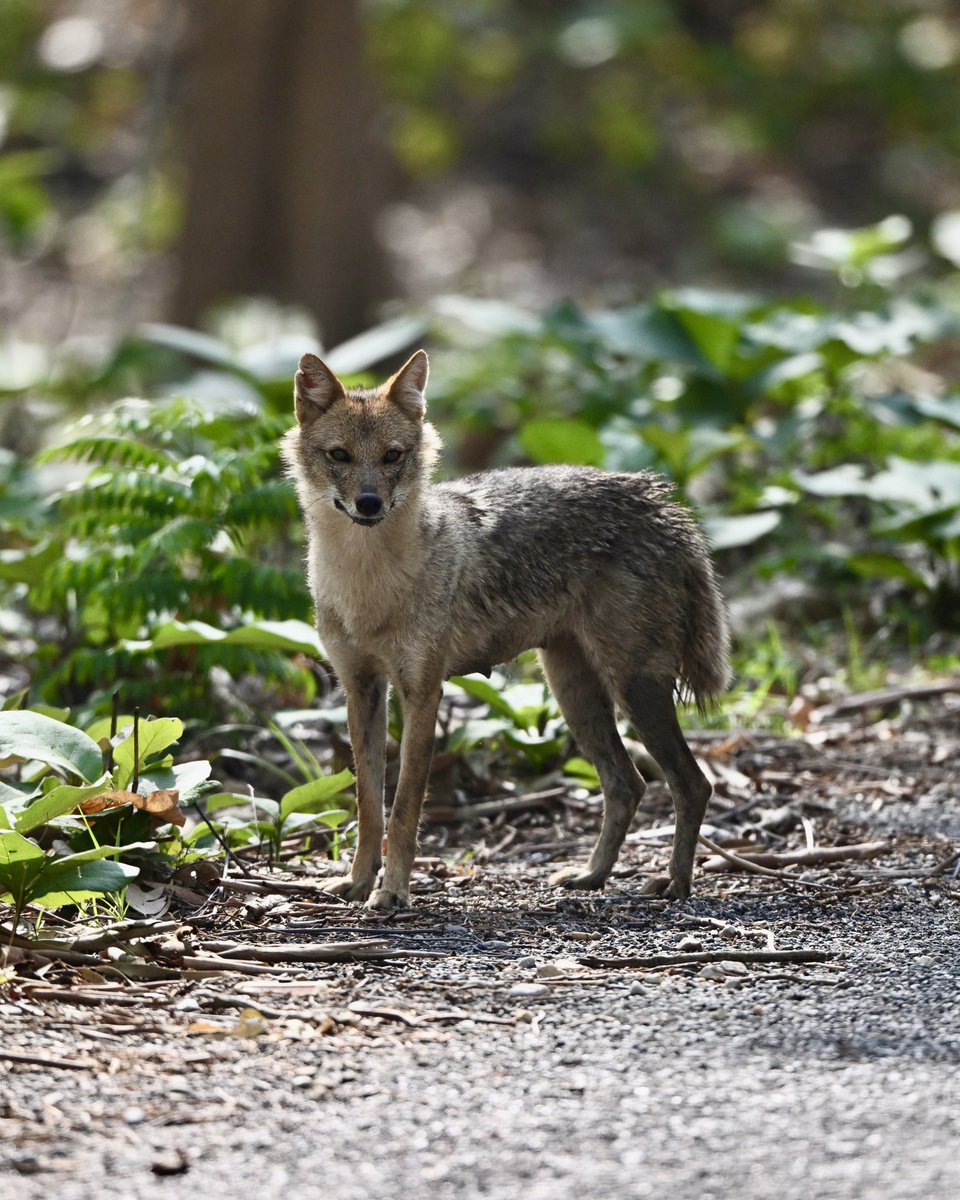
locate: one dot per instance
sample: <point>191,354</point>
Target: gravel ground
<point>526,1052</point>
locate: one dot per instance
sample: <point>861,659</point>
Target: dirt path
<point>523,1051</point>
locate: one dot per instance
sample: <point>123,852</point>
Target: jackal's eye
<point>392,456</point>
<point>338,454</point>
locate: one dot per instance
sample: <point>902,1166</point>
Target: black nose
<point>369,504</point>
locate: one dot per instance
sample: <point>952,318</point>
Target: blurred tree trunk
<point>285,175</point>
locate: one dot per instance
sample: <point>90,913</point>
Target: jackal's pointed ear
<point>315,388</point>
<point>406,388</point>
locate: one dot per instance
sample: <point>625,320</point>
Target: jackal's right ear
<point>406,388</point>
<point>315,388</point>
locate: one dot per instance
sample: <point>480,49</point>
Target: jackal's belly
<point>480,649</point>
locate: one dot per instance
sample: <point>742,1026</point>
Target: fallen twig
<point>367,948</point>
<point>85,943</point>
<point>763,862</point>
<point>442,814</point>
<point>710,956</point>
<point>39,1060</point>
<point>883,698</point>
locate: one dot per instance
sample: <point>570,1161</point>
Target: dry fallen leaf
<point>161,803</point>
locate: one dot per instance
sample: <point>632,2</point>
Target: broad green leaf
<point>492,318</point>
<point>481,689</point>
<point>152,737</point>
<point>945,235</point>
<point>55,803</point>
<point>315,795</point>
<point>945,409</point>
<point>715,337</point>
<point>190,343</point>
<point>562,440</point>
<point>291,636</point>
<point>333,818</point>
<point>649,332</point>
<point>371,347</point>
<point>725,532</point>
<point>28,735</point>
<point>72,885</point>
<point>583,771</point>
<point>846,480</point>
<point>191,779</point>
<point>17,795</point>
<point>886,566</point>
<point>21,863</point>
<point>330,818</point>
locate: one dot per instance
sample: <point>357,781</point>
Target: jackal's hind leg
<point>650,705</point>
<point>586,704</point>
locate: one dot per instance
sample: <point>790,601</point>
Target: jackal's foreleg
<point>367,721</point>
<point>420,698</point>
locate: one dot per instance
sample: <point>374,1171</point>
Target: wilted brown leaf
<point>160,803</point>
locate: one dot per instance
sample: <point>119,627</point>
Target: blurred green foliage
<point>815,441</point>
<point>709,137</point>
<point>694,129</point>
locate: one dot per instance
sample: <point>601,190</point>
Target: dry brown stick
<point>38,1060</point>
<point>710,956</point>
<point>884,698</point>
<point>372,948</point>
<point>754,868</point>
<point>763,861</point>
<point>945,864</point>
<point>101,939</point>
<point>443,813</point>
<point>363,1009</point>
<point>207,963</point>
<point>38,991</point>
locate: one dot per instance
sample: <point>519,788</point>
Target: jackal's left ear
<point>406,388</point>
<point>315,388</point>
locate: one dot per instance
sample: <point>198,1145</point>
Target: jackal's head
<point>363,452</point>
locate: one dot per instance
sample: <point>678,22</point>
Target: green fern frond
<point>274,592</point>
<point>183,535</point>
<point>126,492</point>
<point>274,501</point>
<point>110,451</point>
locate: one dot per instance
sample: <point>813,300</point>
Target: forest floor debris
<point>507,1035</point>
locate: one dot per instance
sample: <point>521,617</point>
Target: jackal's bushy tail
<point>705,661</point>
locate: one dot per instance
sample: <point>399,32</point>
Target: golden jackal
<point>608,577</point>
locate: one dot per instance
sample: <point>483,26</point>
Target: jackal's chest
<point>369,599</point>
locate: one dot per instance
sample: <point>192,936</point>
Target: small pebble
<point>527,963</point>
<point>730,933</point>
<point>457,929</point>
<point>496,944</point>
<point>637,988</point>
<point>689,943</point>
<point>926,960</point>
<point>529,990</point>
<point>134,1115</point>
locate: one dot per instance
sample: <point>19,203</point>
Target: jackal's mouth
<point>359,520</point>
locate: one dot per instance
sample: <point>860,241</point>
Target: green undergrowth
<point>151,546</point>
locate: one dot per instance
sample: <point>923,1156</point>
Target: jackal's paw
<point>577,878</point>
<point>382,900</point>
<point>663,885</point>
<point>348,888</point>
